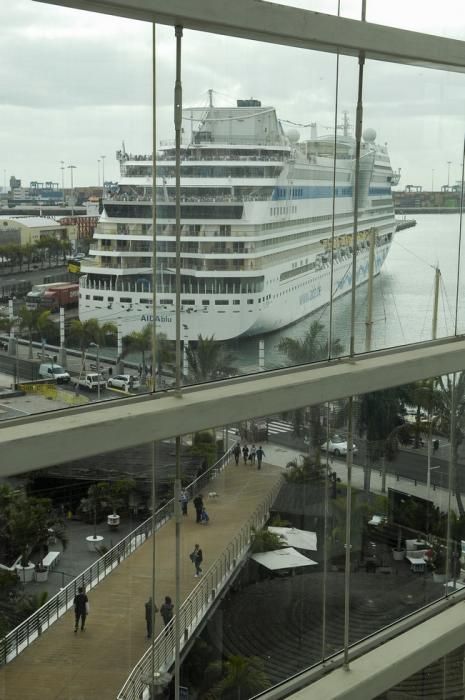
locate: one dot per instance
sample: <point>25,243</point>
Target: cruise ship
<point>266,226</point>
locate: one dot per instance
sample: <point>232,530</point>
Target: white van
<point>92,381</point>
<point>53,371</point>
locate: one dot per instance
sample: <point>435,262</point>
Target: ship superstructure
<point>264,217</point>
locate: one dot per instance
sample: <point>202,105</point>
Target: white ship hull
<point>290,303</point>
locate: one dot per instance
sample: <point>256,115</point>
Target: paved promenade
<point>93,665</point>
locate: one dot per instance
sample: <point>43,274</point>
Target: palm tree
<point>204,447</point>
<point>6,324</point>
<point>303,471</point>
<point>243,677</point>
<point>29,521</point>
<point>313,347</point>
<point>449,405</point>
<point>164,353</point>
<point>208,360</point>
<point>265,541</point>
<point>65,248</point>
<point>34,321</point>
<point>28,251</point>
<point>139,341</point>
<point>91,331</point>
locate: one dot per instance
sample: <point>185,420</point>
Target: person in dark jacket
<point>166,610</point>
<point>259,454</point>
<point>81,606</point>
<point>245,453</point>
<point>197,558</point>
<point>149,617</point>
<point>198,505</point>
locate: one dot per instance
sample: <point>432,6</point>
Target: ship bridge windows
<point>221,302</point>
<point>125,300</point>
<point>187,302</point>
<point>166,302</point>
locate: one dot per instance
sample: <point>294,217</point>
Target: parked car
<point>124,381</point>
<point>54,371</point>
<point>337,446</point>
<point>91,381</point>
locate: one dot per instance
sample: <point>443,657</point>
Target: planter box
<point>41,576</point>
<point>398,555</point>
<point>113,521</point>
<point>93,542</point>
<point>25,573</point>
<point>439,578</point>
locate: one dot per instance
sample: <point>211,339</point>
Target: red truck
<point>53,296</point>
<point>66,295</point>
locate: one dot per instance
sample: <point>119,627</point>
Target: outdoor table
<point>417,564</point>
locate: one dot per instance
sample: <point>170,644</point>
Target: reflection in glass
<point>442,678</point>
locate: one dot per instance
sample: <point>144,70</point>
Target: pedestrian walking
<point>204,517</point>
<point>81,608</point>
<point>184,501</point>
<point>166,610</point>
<point>237,452</point>
<point>196,558</point>
<point>149,617</point>
<point>260,454</point>
<point>245,453</point>
<point>198,505</point>
<point>253,452</point>
<point>140,371</point>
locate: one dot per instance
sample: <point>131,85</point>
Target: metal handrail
<point>30,629</point>
<point>197,603</point>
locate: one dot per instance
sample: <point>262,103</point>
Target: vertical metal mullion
<point>178,126</point>
<point>358,138</point>
<point>450,477</point>
<point>462,191</point>
<point>177,483</point>
<point>348,536</point>
<point>350,442</point>
<point>333,212</point>
<point>325,536</point>
<point>153,452</point>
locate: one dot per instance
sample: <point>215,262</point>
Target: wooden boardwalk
<point>94,664</point>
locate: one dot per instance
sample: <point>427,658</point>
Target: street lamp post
<point>103,174</point>
<point>71,168</point>
<point>185,345</point>
<point>50,358</point>
<point>62,168</point>
<point>97,347</point>
<point>98,172</point>
<point>428,480</point>
<point>449,163</point>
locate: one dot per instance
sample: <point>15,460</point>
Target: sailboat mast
<point>371,269</point>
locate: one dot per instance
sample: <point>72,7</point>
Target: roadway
<point>410,463</point>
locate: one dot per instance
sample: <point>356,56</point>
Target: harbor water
<point>402,297</point>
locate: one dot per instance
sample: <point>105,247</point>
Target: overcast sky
<point>74,85</point>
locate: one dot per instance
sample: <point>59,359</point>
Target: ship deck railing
<point>171,198</point>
